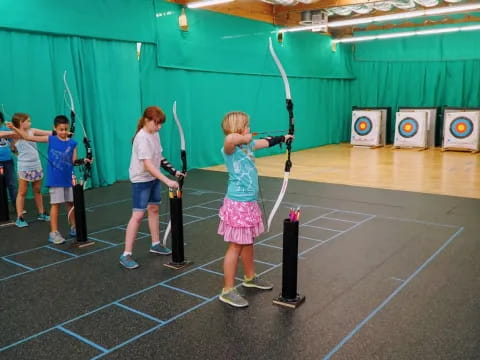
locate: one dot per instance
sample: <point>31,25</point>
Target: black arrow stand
<point>176,217</point>
<point>80,218</point>
<point>289,297</point>
<point>4,215</point>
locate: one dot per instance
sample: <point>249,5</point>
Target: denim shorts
<point>146,193</point>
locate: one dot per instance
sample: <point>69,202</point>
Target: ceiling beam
<point>250,9</point>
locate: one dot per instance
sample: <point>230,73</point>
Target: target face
<point>461,127</point>
<point>408,127</point>
<point>363,125</point>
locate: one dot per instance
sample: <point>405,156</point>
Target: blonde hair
<point>151,113</point>
<point>19,118</point>
<point>235,122</point>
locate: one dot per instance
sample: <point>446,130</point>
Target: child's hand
<point>179,174</point>
<point>172,184</point>
<point>88,161</point>
<point>289,137</point>
<point>10,126</point>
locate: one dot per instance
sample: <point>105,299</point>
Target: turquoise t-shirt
<point>242,173</point>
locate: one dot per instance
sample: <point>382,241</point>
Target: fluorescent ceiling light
<point>406,15</point>
<point>197,4</point>
<point>406,33</point>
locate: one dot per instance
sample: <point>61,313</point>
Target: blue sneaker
<point>159,249</point>
<point>73,232</point>
<point>21,223</point>
<point>43,217</point>
<point>128,262</point>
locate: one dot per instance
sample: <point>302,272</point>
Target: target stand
<point>289,296</point>
<point>461,131</point>
<point>411,130</point>
<point>176,218</point>
<point>81,240</point>
<point>368,128</point>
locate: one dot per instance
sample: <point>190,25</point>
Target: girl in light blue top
<point>29,168</point>
<point>240,216</point>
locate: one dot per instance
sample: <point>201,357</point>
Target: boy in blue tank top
<point>62,155</point>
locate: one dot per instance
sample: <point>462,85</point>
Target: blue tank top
<point>60,162</point>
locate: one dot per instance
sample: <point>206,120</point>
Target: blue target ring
<point>363,125</point>
<point>408,127</point>
<point>461,127</point>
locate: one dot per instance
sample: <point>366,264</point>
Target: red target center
<point>461,128</point>
<point>408,127</point>
<point>362,126</point>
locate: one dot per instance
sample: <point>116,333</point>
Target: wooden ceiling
<point>290,16</point>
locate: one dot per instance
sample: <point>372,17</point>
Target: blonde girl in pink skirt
<point>240,216</point>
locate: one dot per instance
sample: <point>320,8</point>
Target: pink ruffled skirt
<point>240,222</point>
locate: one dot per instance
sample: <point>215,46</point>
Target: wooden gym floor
<point>429,171</point>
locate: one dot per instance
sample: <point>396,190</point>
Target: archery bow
<point>87,167</point>
<point>291,128</point>
<point>183,156</point>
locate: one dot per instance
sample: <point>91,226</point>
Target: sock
<point>226,290</point>
<point>125,253</point>
<point>249,279</point>
<point>155,243</point>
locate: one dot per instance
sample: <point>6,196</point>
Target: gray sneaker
<point>56,238</point>
<point>257,282</point>
<point>233,298</point>
<point>159,249</point>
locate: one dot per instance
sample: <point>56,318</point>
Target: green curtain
<point>130,20</point>
<point>320,105</point>
<point>229,44</point>
<point>103,77</point>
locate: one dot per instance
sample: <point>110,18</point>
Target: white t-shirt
<point>145,146</point>
<point>28,158</point>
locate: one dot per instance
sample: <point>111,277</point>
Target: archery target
<point>410,129</point>
<point>363,126</point>
<point>461,130</point>
<point>431,122</point>
<point>461,127</point>
<point>366,128</point>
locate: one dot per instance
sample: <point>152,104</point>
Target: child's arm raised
<point>25,136</point>
<point>39,132</point>
<point>8,134</point>
<point>232,140</point>
<point>270,141</point>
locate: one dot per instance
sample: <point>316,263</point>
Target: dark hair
<point>60,119</point>
<point>2,119</point>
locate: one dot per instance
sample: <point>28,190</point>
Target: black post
<point>4,213</point>
<point>289,296</point>
<point>176,217</point>
<point>176,220</point>
<point>80,218</point>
